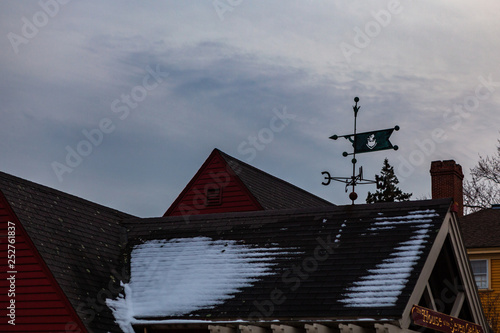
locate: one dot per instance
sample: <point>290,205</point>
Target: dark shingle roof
<point>272,192</point>
<point>328,262</point>
<point>481,229</point>
<point>79,241</point>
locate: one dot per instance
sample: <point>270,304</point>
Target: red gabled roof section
<point>79,241</point>
<point>215,177</point>
<point>31,297</point>
<point>225,184</point>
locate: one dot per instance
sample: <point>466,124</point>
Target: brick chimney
<point>446,179</point>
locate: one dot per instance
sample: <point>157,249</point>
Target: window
<point>214,196</point>
<point>480,271</point>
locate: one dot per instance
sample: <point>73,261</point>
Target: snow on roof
<point>384,284</point>
<point>178,276</point>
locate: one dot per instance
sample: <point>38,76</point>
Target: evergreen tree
<point>387,190</point>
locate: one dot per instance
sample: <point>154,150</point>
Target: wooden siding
<point>214,173</point>
<point>40,305</point>
<point>490,298</point>
<point>495,274</point>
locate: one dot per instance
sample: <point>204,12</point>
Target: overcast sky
<point>120,102</point>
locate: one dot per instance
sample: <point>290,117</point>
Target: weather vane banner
<point>370,141</point>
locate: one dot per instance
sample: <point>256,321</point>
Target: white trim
<point>426,272</point>
<point>317,328</point>
<point>449,228</point>
<point>431,296</point>
<point>457,306</point>
<point>351,328</point>
<point>286,329</point>
<point>468,278</point>
<point>220,329</point>
<point>387,328</point>
<point>488,280</point>
<point>252,329</point>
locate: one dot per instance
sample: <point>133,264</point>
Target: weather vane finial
<point>362,143</point>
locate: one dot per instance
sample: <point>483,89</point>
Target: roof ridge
<point>228,158</point>
<point>68,196</point>
<point>338,209</point>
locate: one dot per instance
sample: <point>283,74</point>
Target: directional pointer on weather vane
<point>365,142</point>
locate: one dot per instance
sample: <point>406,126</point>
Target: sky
<point>120,102</point>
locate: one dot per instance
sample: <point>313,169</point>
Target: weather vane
<point>362,143</point>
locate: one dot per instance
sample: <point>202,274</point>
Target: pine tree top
<point>387,189</point>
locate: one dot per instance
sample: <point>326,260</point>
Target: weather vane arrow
<point>366,142</point>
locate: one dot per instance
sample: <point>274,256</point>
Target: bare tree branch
<point>483,189</point>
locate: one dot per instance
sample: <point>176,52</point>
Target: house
<point>481,235</point>
<point>67,251</point>
<point>284,261</point>
<point>481,232</point>
<point>355,268</point>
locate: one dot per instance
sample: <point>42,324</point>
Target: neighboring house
<point>284,261</point>
<point>481,233</point>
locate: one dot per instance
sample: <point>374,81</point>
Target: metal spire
<point>362,143</point>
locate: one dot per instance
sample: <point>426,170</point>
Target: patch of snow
<point>427,211</point>
<point>337,237</point>
<point>384,284</point>
<point>122,310</point>
<point>422,228</point>
<point>179,276</point>
<point>381,228</point>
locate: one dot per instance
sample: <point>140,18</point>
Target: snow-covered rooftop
<point>340,262</point>
<point>384,284</point>
<point>182,275</point>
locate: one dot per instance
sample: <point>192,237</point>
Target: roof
<point>353,261</point>
<point>79,241</point>
<point>272,192</point>
<point>481,229</point>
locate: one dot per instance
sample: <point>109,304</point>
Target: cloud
<point>225,79</point>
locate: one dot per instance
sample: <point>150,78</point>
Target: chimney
<point>446,179</point>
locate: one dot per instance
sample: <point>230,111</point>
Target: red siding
<point>40,304</point>
<point>214,173</point>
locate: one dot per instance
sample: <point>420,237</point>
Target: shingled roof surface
<point>272,192</point>
<point>481,229</point>
<point>78,240</point>
<point>353,261</point>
